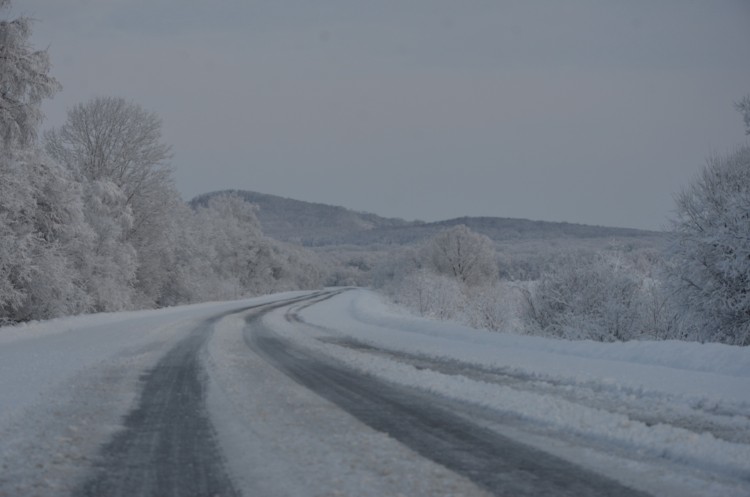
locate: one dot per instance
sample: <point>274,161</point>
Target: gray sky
<point>582,111</point>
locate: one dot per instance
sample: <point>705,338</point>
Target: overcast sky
<point>583,111</point>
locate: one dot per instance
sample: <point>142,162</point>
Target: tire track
<point>500,465</point>
<point>169,446</point>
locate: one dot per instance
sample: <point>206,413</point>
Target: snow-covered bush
<point>609,290</point>
<point>659,316</point>
<point>492,307</point>
<point>588,296</point>
<point>430,294</point>
<point>451,276</point>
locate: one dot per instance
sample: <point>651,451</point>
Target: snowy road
<point>168,446</point>
<point>335,393</point>
<point>439,430</point>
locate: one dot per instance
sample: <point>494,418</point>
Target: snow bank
<point>368,307</point>
<point>671,403</point>
<point>711,375</point>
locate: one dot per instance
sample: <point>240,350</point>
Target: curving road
<point>433,427</point>
<point>169,445</point>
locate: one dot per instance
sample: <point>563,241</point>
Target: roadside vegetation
<point>696,287</point>
<point>90,221</point>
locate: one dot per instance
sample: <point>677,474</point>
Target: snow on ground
<point>281,439</point>
<point>670,418</point>
<point>65,385</point>
<point>673,416</point>
<point>35,357</point>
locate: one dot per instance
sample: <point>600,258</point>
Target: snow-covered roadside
<point>65,385</point>
<point>706,384</point>
<point>282,439</point>
<point>36,357</point>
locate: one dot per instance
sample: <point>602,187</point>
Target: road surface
<point>254,398</point>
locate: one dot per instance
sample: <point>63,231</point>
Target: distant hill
<point>314,224</point>
<point>307,223</point>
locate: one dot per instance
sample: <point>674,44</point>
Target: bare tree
<point>112,139</point>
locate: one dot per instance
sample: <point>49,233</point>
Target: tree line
<point>90,219</point>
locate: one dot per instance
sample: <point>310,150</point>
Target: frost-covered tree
<point>230,235</point>
<point>113,141</point>
<point>24,82</point>
<point>744,107</point>
<point>462,254</point>
<point>50,230</point>
<point>710,254</point>
<point>106,259</point>
<point>39,206</point>
<point>101,226</point>
<point>156,238</point>
<point>242,259</point>
<point>109,138</point>
<point>188,276</point>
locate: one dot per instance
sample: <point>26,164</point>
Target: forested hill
<point>314,224</point>
<point>306,223</point>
